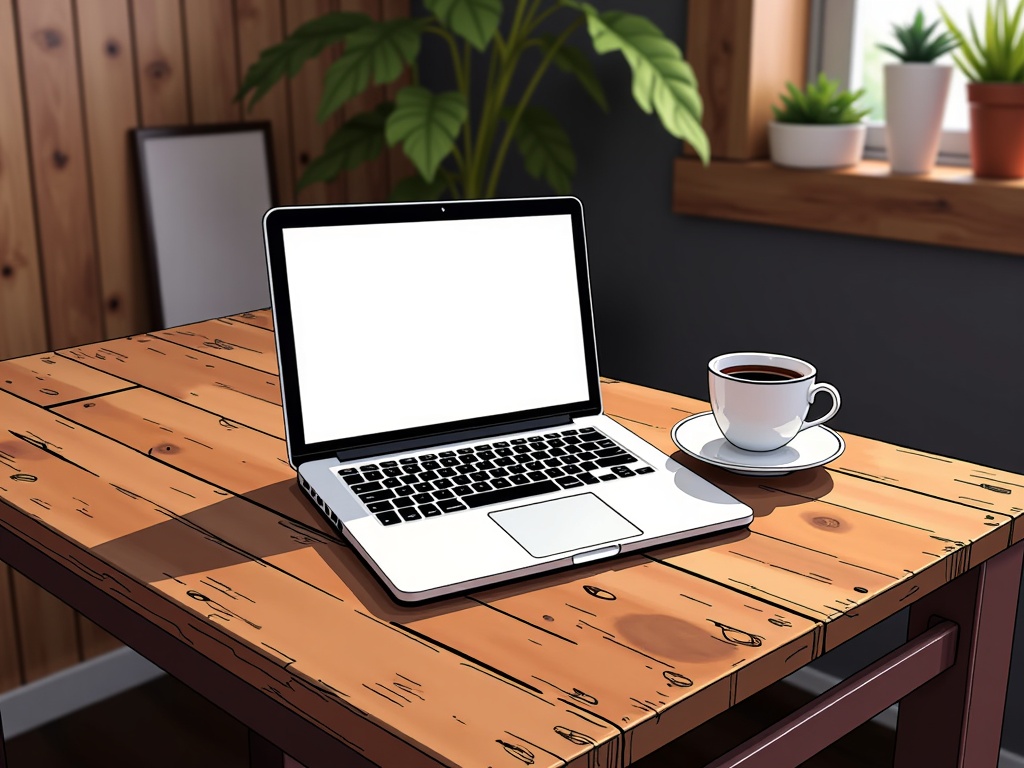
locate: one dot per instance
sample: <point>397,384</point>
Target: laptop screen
<point>405,328</point>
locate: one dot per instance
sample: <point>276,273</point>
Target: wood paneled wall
<point>75,77</point>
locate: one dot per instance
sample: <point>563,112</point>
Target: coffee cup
<point>760,400</point>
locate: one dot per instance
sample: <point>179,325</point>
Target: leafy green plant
<point>820,102</point>
<point>458,151</point>
<point>999,58</point>
<point>919,43</point>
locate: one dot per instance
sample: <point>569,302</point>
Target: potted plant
<point>915,94</point>
<point>994,64</point>
<point>818,127</point>
<point>458,152</point>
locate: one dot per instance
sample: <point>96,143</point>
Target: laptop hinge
<point>399,446</point>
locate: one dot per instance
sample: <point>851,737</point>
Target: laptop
<point>441,395</point>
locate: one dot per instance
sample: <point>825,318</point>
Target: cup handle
<point>835,403</point>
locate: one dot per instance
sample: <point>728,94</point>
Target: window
<point>844,44</point>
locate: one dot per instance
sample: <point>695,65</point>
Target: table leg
<point>264,754</point>
<point>956,719</point>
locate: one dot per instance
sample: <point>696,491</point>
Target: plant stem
<point>513,121</point>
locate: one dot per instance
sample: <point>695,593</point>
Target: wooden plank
<point>369,182</point>
<point>22,315</point>
<point>160,58</point>
<point>405,702</point>
<point>108,88</point>
<point>242,395</point>
<point>212,56</point>
<point>261,318</point>
<point>948,207</point>
<point>305,91</point>
<point>260,24</point>
<point>50,379</point>
<point>10,671</point>
<point>59,163</point>
<point>228,339</point>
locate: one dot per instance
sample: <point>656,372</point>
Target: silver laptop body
<point>441,395</point>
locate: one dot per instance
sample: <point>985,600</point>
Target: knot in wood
<point>49,38</point>
<point>158,69</point>
<point>60,159</point>
<point>112,48</point>
<point>164,449</point>
<point>6,271</point>
<point>826,522</point>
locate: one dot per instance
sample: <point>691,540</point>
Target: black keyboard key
<point>485,464</point>
<point>444,494</point>
<point>405,490</point>
<point>409,514</point>
<point>422,487</point>
<point>485,455</point>
<point>501,444</point>
<point>517,470</point>
<point>392,472</point>
<point>447,472</point>
<point>443,483</point>
<point>392,482</point>
<point>541,455</point>
<point>569,459</point>
<point>537,476</point>
<point>611,461</point>
<point>451,506</point>
<point>372,496</point>
<point>409,479</point>
<point>380,506</point>
<point>521,449</point>
<point>504,451</point>
<point>569,432</point>
<point>483,447</point>
<point>461,480</point>
<point>389,518</point>
<point>588,478</point>
<point>368,467</point>
<point>510,494</point>
<point>430,465</point>
<point>534,439</point>
<point>429,510</point>
<point>504,461</point>
<point>375,475</point>
<point>571,469</point>
<point>606,443</point>
<point>422,498</point>
<point>464,451</point>
<point>501,482</point>
<point>462,490</point>
<point>428,476</point>
<point>645,470</point>
<point>552,463</point>
<point>403,501</point>
<point>609,476</point>
<point>569,482</point>
<point>555,472</point>
<point>450,461</point>
<point>552,435</point>
<point>571,440</point>
<point>499,472</point>
<point>534,465</point>
<point>588,431</point>
<point>519,441</point>
<point>481,487</point>
<point>589,466</point>
<point>478,476</point>
<point>366,487</point>
<point>557,452</point>
<point>465,469</point>
<point>446,454</point>
<point>347,471</point>
<point>470,458</point>
<point>623,471</point>
<point>574,449</point>
<point>610,451</point>
<point>555,443</point>
<point>587,456</point>
<point>519,479</point>
<point>428,456</point>
<point>353,479</point>
<point>408,460</point>
<point>389,463</point>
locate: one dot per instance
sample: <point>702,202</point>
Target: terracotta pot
<point>997,129</point>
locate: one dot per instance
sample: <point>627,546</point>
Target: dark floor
<point>163,724</point>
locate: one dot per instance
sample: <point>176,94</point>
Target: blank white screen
<point>405,325</point>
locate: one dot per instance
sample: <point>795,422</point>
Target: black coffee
<point>760,373</point>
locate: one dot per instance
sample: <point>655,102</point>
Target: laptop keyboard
<point>432,484</point>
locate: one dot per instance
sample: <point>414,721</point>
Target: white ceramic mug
<point>760,400</point>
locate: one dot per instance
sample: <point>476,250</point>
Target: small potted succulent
<point>818,127</point>
<point>915,94</point>
<point>994,65</point>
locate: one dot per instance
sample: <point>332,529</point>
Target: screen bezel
<point>277,220</point>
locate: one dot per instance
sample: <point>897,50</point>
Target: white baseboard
<point>42,701</point>
<point>816,682</point>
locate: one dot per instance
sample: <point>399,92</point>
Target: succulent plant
<point>919,43</point>
<point>821,102</point>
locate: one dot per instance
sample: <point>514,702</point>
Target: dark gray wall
<point>923,342</point>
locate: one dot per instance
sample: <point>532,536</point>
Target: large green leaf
<point>359,140</point>
<point>546,149</point>
<point>575,62</point>
<point>662,81</point>
<point>415,189</point>
<point>475,20</point>
<point>381,49</point>
<point>427,125</point>
<point>288,56</point>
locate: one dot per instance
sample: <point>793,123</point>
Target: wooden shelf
<point>947,207</point>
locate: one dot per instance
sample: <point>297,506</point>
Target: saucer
<point>700,437</point>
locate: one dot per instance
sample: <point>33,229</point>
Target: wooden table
<point>144,482</point>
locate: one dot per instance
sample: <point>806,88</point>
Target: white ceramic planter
<point>804,145</point>
<point>915,100</point>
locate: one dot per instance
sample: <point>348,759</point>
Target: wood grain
<point>948,207</point>
<point>10,672</point>
<point>305,91</point>
<point>251,397</point>
<point>47,631</point>
<point>22,318</point>
<point>212,54</point>
<point>240,602</point>
<point>228,339</point>
<point>49,379</point>
<point>111,111</point>
<point>160,60</point>
<point>60,169</point>
<point>261,318</point>
<point>260,24</point>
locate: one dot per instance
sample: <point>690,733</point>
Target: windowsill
<point>947,207</point>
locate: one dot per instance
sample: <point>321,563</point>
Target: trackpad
<point>563,525</point>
